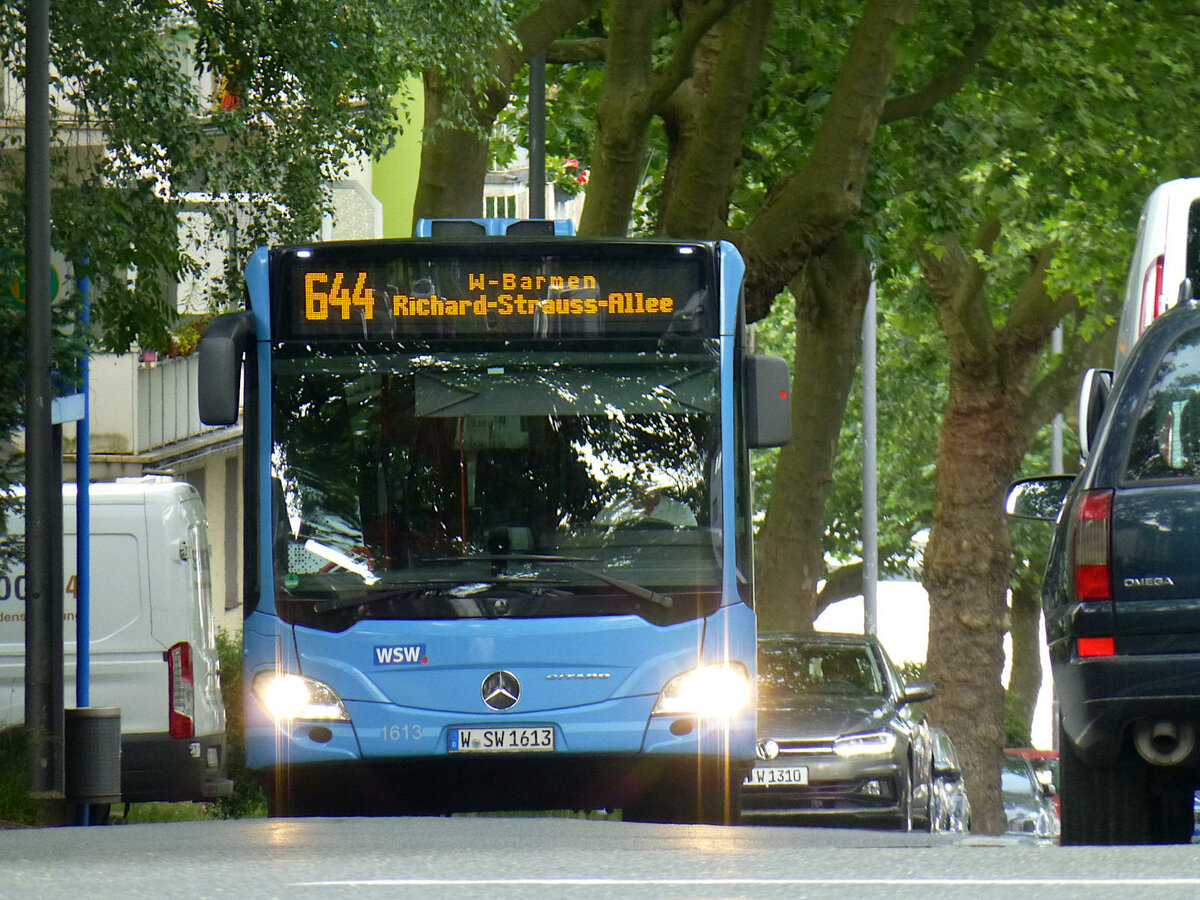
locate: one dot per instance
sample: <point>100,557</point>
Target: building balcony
<point>145,415</point>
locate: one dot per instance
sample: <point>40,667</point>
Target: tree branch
<point>1049,396</point>
<point>693,31</point>
<point>580,50</point>
<point>955,280</point>
<point>815,202</point>
<point>945,84</point>
<point>1055,390</point>
<point>1033,315</point>
<point>842,583</point>
<point>542,27</point>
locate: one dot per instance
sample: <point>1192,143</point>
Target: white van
<point>153,647</point>
<point>1166,259</point>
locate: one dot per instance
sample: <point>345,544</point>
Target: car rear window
<point>1166,438</point>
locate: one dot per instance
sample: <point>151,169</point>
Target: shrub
<point>247,799</point>
<point>17,808</point>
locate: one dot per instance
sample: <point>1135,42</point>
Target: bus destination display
<point>390,290</point>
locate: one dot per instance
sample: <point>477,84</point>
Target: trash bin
<point>92,750</point>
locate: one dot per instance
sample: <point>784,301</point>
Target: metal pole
<point>1056,433</point>
<point>870,511</point>
<point>537,137</point>
<point>43,607</point>
<point>83,520</point>
<point>1056,468</point>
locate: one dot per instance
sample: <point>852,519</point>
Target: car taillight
<point>1096,646</point>
<point>1152,303</point>
<point>1093,514</point>
<point>182,689</point>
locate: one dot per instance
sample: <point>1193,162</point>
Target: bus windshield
<point>440,485</point>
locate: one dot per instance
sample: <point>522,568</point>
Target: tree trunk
<point>831,294</point>
<point>627,102</point>
<point>816,202</point>
<point>983,439</point>
<point>454,159</point>
<point>966,576</point>
<point>705,123</point>
<point>453,163</point>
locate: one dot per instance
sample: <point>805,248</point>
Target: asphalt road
<point>568,858</point>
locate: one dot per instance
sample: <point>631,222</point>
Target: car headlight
<point>875,743</point>
<point>717,691</point>
<point>290,696</point>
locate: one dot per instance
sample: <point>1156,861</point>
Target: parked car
<point>1121,596</point>
<point>1028,802</point>
<point>1045,767</point>
<point>839,737</point>
<point>951,807</point>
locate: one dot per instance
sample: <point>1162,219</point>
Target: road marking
<point>750,882</point>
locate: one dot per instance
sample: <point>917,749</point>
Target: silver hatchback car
<point>839,736</point>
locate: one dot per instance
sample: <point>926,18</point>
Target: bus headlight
<point>289,696</point>
<point>875,743</point>
<point>717,691</point>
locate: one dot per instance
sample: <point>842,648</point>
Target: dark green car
<point>1121,595</point>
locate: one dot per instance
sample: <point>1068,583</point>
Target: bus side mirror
<point>221,350</point>
<point>1093,397</point>
<point>768,401</point>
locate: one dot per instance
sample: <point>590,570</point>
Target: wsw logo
<point>400,655</point>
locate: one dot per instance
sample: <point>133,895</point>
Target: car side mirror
<point>917,692</point>
<point>1038,498</point>
<point>1093,398</point>
<point>946,770</point>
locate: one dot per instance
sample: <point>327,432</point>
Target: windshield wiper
<point>342,599</point>
<point>509,557</point>
<point>453,588</point>
<point>446,586</point>
<point>629,587</point>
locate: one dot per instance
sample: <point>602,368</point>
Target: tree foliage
<point>461,111</point>
<point>989,157</point>
<point>1015,200</point>
<point>246,108</point>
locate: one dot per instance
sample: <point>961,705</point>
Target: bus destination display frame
<point>504,289</point>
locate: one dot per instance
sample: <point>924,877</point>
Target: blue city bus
<point>497,522</point>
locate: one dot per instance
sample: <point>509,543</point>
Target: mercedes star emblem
<point>501,690</point>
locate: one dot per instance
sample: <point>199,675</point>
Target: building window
<point>503,206</point>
